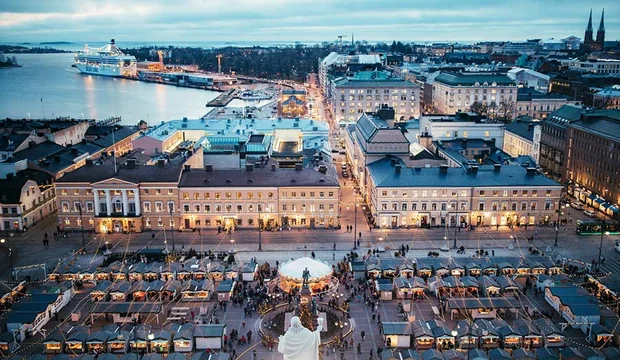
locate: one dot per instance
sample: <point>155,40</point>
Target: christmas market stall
<point>292,275</point>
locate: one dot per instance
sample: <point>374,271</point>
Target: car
<point>345,175</point>
<point>576,205</point>
<point>589,213</point>
<point>335,151</point>
<point>342,152</point>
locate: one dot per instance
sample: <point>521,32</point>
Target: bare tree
<point>479,108</point>
<point>506,110</point>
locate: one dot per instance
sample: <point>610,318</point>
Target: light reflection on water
<point>66,92</point>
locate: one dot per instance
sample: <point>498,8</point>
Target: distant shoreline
<point>16,49</point>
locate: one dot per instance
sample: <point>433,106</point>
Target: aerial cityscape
<point>305,180</point>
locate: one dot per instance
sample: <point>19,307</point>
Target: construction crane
<point>219,63</point>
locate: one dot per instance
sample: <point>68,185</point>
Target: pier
<point>222,99</point>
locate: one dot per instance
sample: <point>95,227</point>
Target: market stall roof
<point>384,284</point>
<point>487,303</point>
<point>102,286</point>
<point>295,268</point>
<point>126,308</point>
<point>396,328</point>
<point>522,354</point>
<point>210,330</point>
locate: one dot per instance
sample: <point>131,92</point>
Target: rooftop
<point>378,82</point>
<point>522,129</point>
<point>259,178</point>
<point>169,172</point>
<point>384,175</point>
<point>474,79</point>
<point>526,94</point>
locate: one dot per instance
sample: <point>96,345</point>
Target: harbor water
<point>47,86</point>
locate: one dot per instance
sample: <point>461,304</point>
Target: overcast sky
<point>300,20</point>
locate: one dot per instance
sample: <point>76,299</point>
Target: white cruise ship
<point>105,61</point>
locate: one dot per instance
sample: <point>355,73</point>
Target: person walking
<point>363,335</point>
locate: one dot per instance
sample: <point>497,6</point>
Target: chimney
<point>161,163</point>
<point>131,163</point>
<point>187,168</point>
<point>249,167</point>
<point>298,167</point>
<point>387,113</point>
<point>474,169</point>
<point>443,168</point>
<point>398,168</point>
<point>497,167</point>
<point>464,143</point>
<point>273,167</point>
<point>323,169</point>
<point>531,170</point>
<point>208,167</point>
<point>89,162</point>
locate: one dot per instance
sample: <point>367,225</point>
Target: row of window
<point>463,193</point>
<point>377,91</point>
<point>514,206</point>
<point>208,195</point>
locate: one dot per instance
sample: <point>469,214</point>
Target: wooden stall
<point>397,334</point>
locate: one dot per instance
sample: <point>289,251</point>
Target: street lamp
<point>600,246</point>
<point>171,207</point>
<point>557,224</point>
<point>454,333</point>
<point>79,206</point>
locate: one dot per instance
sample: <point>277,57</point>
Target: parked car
<point>345,174</point>
<point>576,205</point>
<point>589,213</point>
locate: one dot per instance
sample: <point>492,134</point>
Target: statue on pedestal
<point>299,343</point>
<point>305,276</point>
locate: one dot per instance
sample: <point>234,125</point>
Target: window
<point>383,206</point>
<point>548,205</point>
<point>331,207</point>
<point>321,195</point>
<point>514,206</point>
<point>239,208</point>
<point>321,207</point>
<point>196,196</point>
<point>65,207</point>
<point>524,193</point>
<point>481,206</point>
<point>504,206</point>
<point>414,206</point>
<point>76,192</point>
<point>283,207</point>
<point>89,207</point>
<point>403,206</point>
<point>494,206</point>
<point>515,192</point>
<point>238,195</point>
<point>218,208</point>
<point>481,193</point>
<point>159,206</point>
<point>424,206</point>
<point>158,192</point>
<point>160,222</point>
<point>534,192</point>
<point>185,196</point>
<point>217,196</point>
<point>197,208</point>
<point>270,195</point>
<point>330,194</point>
<point>228,208</point>
<point>207,196</point>
<point>228,196</point>
<point>170,206</point>
<point>523,206</point>
<point>170,192</point>
<point>146,206</point>
<point>207,208</point>
<point>132,207</point>
<point>548,193</point>
<point>533,205</point>
<point>495,192</point>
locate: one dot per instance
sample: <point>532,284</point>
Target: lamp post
<point>260,242</point>
<point>557,224</point>
<point>171,207</point>
<point>10,258</point>
<point>456,219</point>
<point>600,246</point>
<point>150,337</point>
<point>355,221</point>
<point>82,226</point>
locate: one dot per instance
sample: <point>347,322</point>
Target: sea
<point>46,86</point>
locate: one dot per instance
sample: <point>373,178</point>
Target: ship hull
<point>100,70</point>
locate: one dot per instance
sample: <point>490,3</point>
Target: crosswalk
<point>612,267</point>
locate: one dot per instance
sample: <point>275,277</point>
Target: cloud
<point>290,20</point>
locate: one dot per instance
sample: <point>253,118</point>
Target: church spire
<point>589,27</point>
<point>588,37</point>
<point>601,26</point>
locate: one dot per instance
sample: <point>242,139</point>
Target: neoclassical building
<point>186,195</point>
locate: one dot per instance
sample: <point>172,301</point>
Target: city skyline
<point>309,21</point>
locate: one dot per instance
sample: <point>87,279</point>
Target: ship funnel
<point>112,42</point>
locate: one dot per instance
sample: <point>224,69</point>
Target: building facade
<point>479,196</point>
<point>523,138</point>
<point>456,92</point>
<point>25,199</point>
<point>368,91</point>
<point>608,98</point>
<point>184,196</point>
<point>593,158</point>
<point>553,140</point>
<point>460,125</point>
<point>539,105</point>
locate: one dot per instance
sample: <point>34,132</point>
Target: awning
<point>599,201</point>
<point>614,209</point>
<point>592,197</point>
<point>606,205</point>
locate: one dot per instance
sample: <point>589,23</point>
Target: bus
<point>597,227</point>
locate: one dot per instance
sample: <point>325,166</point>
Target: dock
<point>223,99</point>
